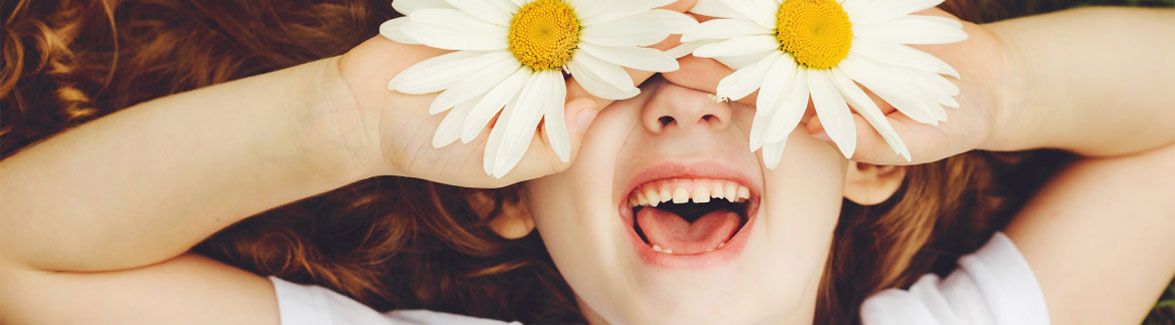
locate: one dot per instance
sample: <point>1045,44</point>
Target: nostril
<point>709,118</point>
<point>666,121</point>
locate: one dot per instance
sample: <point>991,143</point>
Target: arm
<point>149,182</point>
<point>92,220</point>
<point>145,184</point>
<point>1096,81</point>
<point>1098,238</point>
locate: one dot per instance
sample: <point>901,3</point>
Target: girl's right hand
<point>391,133</point>
<point>397,130</point>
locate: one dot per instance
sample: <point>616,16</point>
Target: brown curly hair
<point>398,243</point>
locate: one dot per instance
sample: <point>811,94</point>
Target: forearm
<point>1098,238</point>
<point>147,183</point>
<point>1095,81</point>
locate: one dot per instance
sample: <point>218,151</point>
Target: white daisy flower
<point>512,54</point>
<point>791,50</point>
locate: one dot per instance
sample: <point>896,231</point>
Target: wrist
<point>331,130</point>
<point>1012,115</point>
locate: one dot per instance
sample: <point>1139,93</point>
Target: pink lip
<point>710,170</point>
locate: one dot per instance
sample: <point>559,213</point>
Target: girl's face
<point>754,258</point>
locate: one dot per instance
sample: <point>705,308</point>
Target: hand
<point>984,96</point>
<point>397,129</point>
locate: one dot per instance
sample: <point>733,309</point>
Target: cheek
<point>801,206</point>
<point>576,214</point>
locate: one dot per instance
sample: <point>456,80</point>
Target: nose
<point>676,109</point>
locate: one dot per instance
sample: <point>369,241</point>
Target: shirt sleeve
<point>991,286</point>
<point>313,305</point>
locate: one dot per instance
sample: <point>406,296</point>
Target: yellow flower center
<point>816,32</point>
<point>544,34</point>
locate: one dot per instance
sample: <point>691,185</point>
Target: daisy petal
<point>640,58</point>
<point>495,141</point>
<point>869,110</point>
<point>492,103</point>
<point>781,78</point>
<point>853,7</point>
<point>643,29</point>
<point>789,110</point>
<point>473,87</point>
<point>723,29</point>
<point>626,32</point>
<point>449,130</point>
<point>452,29</point>
<point>619,9</point>
<point>910,30</point>
<point>773,153</point>
<point>934,86</point>
<point>902,55</point>
<point>443,71</point>
<point>486,10</point>
<point>601,79</point>
<point>757,11</point>
<point>833,112</point>
<point>554,125</point>
<point>589,8</point>
<point>874,76</point>
<point>745,81</point>
<point>716,9</point>
<point>522,122</point>
<point>391,30</point>
<point>743,61</point>
<point>745,45</point>
<point>687,48</point>
<point>879,10</point>
<point>407,7</point>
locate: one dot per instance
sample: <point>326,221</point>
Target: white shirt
<point>992,286</point>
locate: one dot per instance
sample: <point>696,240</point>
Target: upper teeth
<point>686,190</point>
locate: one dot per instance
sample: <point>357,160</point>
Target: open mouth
<point>689,216</point>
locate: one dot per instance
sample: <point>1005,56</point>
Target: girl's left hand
<point>985,93</point>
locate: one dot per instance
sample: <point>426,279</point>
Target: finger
<point>927,143</point>
<point>540,160</point>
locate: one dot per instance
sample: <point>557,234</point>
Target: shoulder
<point>991,286</point>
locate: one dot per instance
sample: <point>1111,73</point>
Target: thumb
<point>581,113</point>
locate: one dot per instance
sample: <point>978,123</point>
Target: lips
<point>683,216</point>
<point>688,216</point>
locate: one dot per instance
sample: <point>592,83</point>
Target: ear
<point>867,184</point>
<point>513,221</point>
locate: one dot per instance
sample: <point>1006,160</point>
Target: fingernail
<point>584,118</point>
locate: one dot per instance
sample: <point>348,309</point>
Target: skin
<point>79,249</point>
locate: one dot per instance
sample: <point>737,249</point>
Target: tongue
<point>668,230</point>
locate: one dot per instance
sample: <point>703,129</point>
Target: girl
<point>97,221</point>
